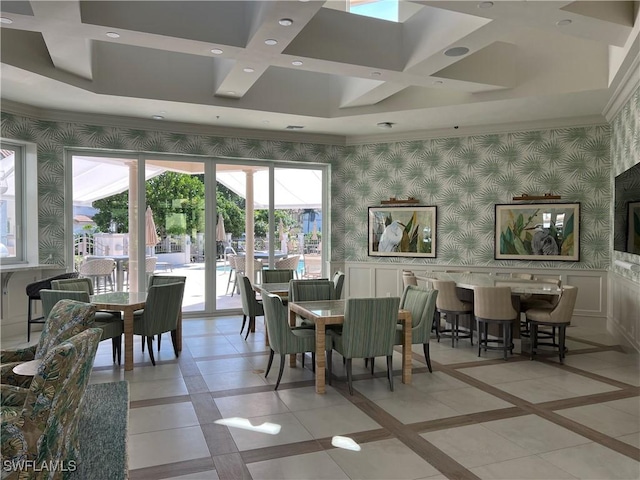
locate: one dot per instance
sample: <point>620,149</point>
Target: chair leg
<point>505,338</point>
<point>534,339</point>
<point>479,328</point>
<point>159,340</point>
<point>437,322</point>
<point>427,358</point>
<point>174,341</point>
<point>270,362</point>
<point>244,321</point>
<point>282,362</point>
<point>471,329</point>
<point>303,355</point>
<point>349,376</point>
<point>329,364</point>
<point>150,348</point>
<point>454,330</point>
<point>390,370</point>
<point>251,326</point>
<point>373,360</point>
<point>313,362</point>
<point>119,342</point>
<point>114,349</point>
<point>562,329</point>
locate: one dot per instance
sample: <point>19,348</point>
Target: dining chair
<point>42,428</point>
<point>449,304</point>
<point>421,303</point>
<point>99,269</point>
<point>277,276</point>
<point>85,284</point>
<point>66,319</point>
<point>232,272</point>
<point>409,278</point>
<point>312,265</point>
<point>558,317</point>
<point>33,295</point>
<point>161,312</point>
<point>109,322</point>
<point>289,263</point>
<point>282,338</point>
<point>306,290</point>
<point>368,331</point>
<point>338,284</point>
<point>493,305</point>
<point>251,307</point>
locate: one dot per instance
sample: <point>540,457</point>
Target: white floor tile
<point>604,419</point>
<point>252,405</point>
<point>292,431</point>
<point>527,468</point>
<point>335,420</point>
<point>162,417</point>
<point>593,461</point>
<point>312,466</point>
<point>166,446</point>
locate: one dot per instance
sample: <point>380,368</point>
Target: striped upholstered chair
<point>251,307</point>
<point>368,331</point>
<point>277,275</point>
<point>283,339</point>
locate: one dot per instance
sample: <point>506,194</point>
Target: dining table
<point>331,312</point>
<point>128,303</point>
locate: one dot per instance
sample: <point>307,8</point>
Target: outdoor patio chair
<point>312,265</point>
<point>99,270</point>
<point>289,263</point>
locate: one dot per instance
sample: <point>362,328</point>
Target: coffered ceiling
<point>329,71</point>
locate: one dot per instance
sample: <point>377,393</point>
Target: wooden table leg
<point>292,323</point>
<point>128,339</point>
<point>406,351</point>
<point>320,355</point>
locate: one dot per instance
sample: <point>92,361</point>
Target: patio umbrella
<point>314,231</point>
<point>283,237</point>
<point>151,235</point>
<point>221,235</point>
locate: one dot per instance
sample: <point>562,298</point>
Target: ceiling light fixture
<point>271,41</point>
<point>562,23</point>
<point>217,51</point>
<point>385,125</point>
<point>456,51</point>
<point>6,21</point>
<point>285,22</point>
<point>297,63</point>
<point>157,117</point>
<point>231,93</point>
<point>376,74</point>
<point>294,127</point>
<point>437,82</point>
<point>248,70</point>
<point>112,35</point>
<point>485,5</point>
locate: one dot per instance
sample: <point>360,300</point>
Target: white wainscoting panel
<point>624,320</point>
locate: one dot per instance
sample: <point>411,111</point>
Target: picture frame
<point>538,231</point>
<point>633,228</point>
<point>402,231</point>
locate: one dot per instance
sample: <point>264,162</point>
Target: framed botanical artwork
<point>538,231</point>
<point>633,234</point>
<point>402,231</point>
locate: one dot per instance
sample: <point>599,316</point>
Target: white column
<point>133,226</point>
<point>249,227</point>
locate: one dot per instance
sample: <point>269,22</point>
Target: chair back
<point>73,284</point>
<point>312,265</point>
<point>281,340</point>
<point>493,303</point>
<point>448,296</point>
<point>250,306</point>
<point>33,289</point>
<point>276,276</point>
<point>166,279</point>
<point>289,263</point>
<point>311,290</point>
<point>150,264</point>
<point>232,261</point>
<point>48,424</point>
<point>51,297</point>
<point>369,326</point>
<point>161,310</point>
<point>408,278</point>
<point>338,283</point>
<point>66,319</point>
<point>563,311</point>
<point>97,267</point>
<point>422,305</point>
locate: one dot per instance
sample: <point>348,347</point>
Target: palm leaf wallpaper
<point>463,176</point>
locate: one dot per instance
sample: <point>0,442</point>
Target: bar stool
<point>449,304</point>
<point>494,305</point>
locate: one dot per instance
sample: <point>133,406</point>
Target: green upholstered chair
<point>283,339</point>
<point>558,316</point>
<point>338,283</point>
<point>422,305</point>
<point>161,280</point>
<point>310,291</point>
<point>85,284</point>
<point>109,322</point>
<point>251,307</point>
<point>368,331</point>
<point>66,319</point>
<point>44,429</point>
<point>276,276</point>
<point>161,312</point>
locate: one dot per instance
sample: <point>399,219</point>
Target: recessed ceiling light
<point>376,74</point>
<point>437,82</point>
<point>564,22</point>
<point>297,63</point>
<point>217,51</point>
<point>266,122</point>
<point>157,117</point>
<point>113,35</point>
<point>231,93</point>
<point>385,125</point>
<point>456,51</point>
<point>485,5</point>
<point>271,41</point>
<point>285,22</point>
<point>6,20</point>
<point>248,70</point>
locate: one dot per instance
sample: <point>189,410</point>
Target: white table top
<point>473,280</point>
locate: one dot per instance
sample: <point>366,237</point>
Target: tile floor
<point>471,418</point>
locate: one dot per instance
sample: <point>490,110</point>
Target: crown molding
<point>623,92</point>
<point>22,109</point>
<point>463,131</point>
